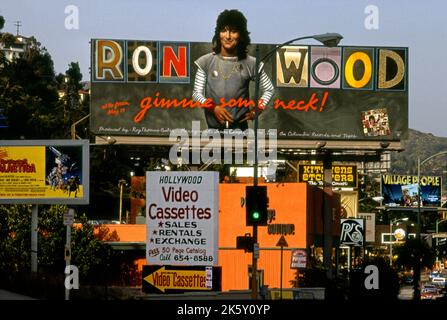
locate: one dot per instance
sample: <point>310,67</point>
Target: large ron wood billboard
<point>145,88</point>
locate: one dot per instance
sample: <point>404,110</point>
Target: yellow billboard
<point>44,174</point>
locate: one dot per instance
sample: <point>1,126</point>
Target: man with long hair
<point>225,74</point>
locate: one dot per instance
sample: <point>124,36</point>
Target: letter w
<point>292,56</point>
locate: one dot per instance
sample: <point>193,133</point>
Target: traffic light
<point>256,203</point>
<point>245,242</point>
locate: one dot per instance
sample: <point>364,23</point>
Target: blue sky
<point>418,25</point>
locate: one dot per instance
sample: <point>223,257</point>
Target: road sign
<point>175,279</point>
<point>282,242</point>
<point>256,250</point>
<point>68,217</point>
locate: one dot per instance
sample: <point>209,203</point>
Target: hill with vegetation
<point>421,145</point>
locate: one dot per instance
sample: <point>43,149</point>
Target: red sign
<point>299,259</point>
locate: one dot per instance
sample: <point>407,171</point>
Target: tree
<point>410,250</point>
<point>70,84</point>
<point>89,253</point>
<point>28,95</point>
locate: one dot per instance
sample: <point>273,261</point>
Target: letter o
<point>349,70</point>
<point>142,71</point>
<point>193,196</point>
<point>325,61</point>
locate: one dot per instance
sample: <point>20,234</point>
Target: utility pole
<point>18,24</point>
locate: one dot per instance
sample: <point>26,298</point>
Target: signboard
<point>44,172</point>
<point>69,217</point>
<point>299,259</point>
<point>352,232</point>
<point>349,203</point>
<point>402,191</point>
<point>343,176</point>
<point>177,279</point>
<point>282,242</point>
<point>145,88</point>
<point>182,218</point>
<point>370,226</point>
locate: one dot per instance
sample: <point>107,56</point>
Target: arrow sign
<point>282,242</point>
<point>172,279</point>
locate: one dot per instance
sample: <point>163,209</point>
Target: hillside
<point>423,145</point>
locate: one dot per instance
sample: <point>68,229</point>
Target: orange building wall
<point>290,203</point>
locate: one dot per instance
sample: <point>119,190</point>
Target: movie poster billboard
<point>146,88</point>
<point>44,172</point>
<point>182,218</point>
<point>402,191</point>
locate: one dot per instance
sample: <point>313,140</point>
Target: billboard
<point>44,172</point>
<point>402,191</point>
<point>145,88</point>
<point>343,176</point>
<point>182,218</point>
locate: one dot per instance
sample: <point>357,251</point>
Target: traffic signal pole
<point>254,263</point>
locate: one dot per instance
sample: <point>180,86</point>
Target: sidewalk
<point>7,295</point>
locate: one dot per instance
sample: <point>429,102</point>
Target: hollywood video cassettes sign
<point>343,176</point>
<point>182,218</point>
<point>145,88</point>
<point>402,191</point>
<point>352,232</point>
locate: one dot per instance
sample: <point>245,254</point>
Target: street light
<point>391,236</point>
<point>327,39</point>
<point>417,271</point>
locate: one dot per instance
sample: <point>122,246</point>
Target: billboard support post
<point>34,220</point>
<point>68,221</point>
<point>327,215</point>
<point>417,270</point>
<point>68,258</point>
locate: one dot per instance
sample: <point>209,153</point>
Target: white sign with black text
<point>352,232</point>
<point>182,218</point>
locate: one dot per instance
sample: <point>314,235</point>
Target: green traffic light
<point>256,215</point>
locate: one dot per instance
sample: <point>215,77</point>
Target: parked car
<point>439,282</point>
<point>429,293</point>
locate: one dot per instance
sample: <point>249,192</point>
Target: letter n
<point>174,62</point>
<point>372,280</point>
<point>71,277</point>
